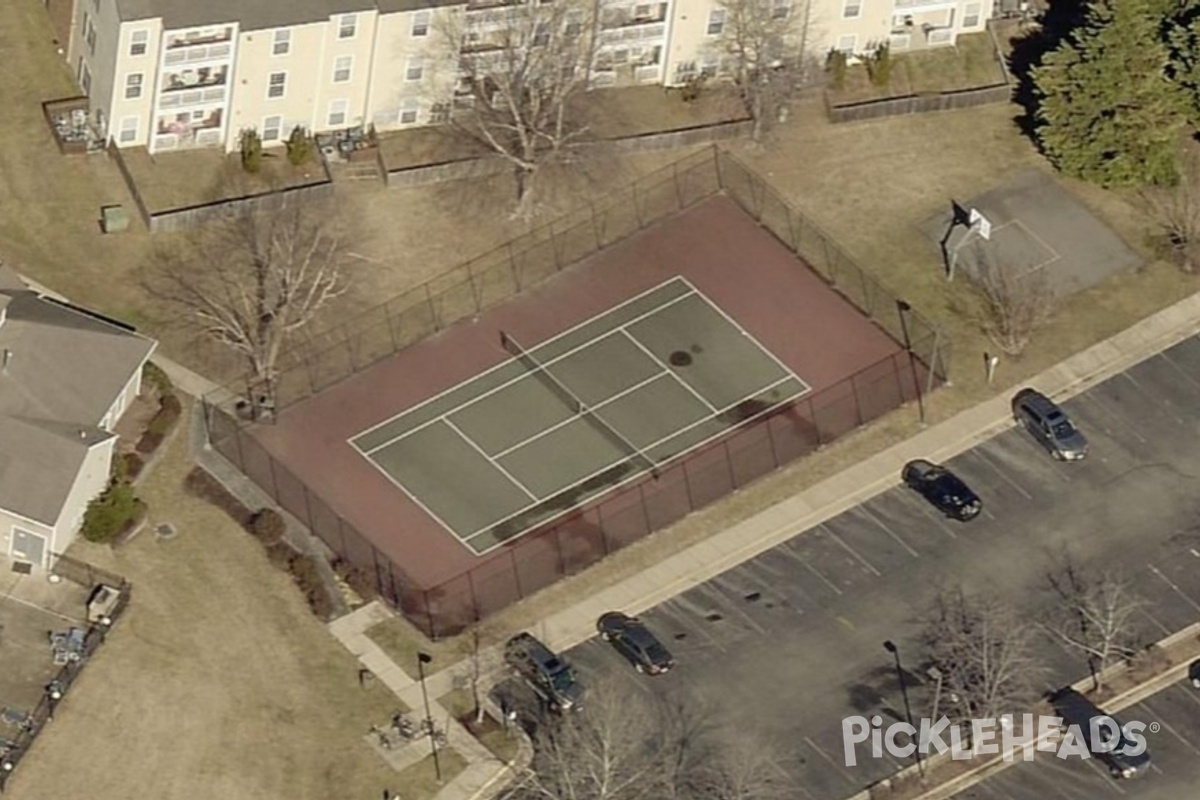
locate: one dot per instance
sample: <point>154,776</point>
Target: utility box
<point>113,218</point>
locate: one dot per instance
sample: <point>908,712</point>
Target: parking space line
<point>1177,590</point>
<point>731,604</point>
<point>871,515</point>
<point>1106,776</point>
<point>1169,728</point>
<point>812,569</point>
<point>1165,403</point>
<point>1154,619</point>
<point>850,550</point>
<point>1190,693</point>
<point>687,624</point>
<point>936,519</point>
<point>1166,357</point>
<point>1096,401</point>
<point>982,453</point>
<point>841,768</point>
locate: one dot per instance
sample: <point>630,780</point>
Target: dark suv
<point>1049,424</point>
<point>1103,735</point>
<point>546,673</point>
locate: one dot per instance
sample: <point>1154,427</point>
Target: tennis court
<point>561,421</point>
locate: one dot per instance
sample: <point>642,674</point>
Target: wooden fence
<point>917,103</point>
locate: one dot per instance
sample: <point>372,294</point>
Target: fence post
<point>678,189</point>
<point>433,312</point>
<point>857,403</point>
<point>558,265</point>
<point>391,328</point>
<point>729,463</point>
<point>474,287</point>
<point>512,554</point>
<point>717,166</point>
<point>645,508</point>
<point>637,207</point>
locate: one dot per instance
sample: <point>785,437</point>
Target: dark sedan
<point>632,639</point>
<point>943,489</point>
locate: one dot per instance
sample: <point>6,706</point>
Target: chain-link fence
<point>569,545</point>
<point>12,750</point>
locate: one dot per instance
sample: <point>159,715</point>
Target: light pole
<point>890,646</point>
<point>937,675</point>
<point>422,660</point>
<point>902,309</point>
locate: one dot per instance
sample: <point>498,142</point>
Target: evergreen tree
<point>1183,41</point>
<point>1108,110</point>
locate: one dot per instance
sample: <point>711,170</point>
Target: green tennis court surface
<point>597,406</point>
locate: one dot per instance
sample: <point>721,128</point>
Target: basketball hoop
<point>980,226</point>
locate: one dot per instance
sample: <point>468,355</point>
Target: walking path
<point>705,560</point>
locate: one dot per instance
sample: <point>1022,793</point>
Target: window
<point>272,127</point>
<point>348,26</point>
<point>337,112</point>
<point>642,11</point>
<point>780,9</point>
<point>847,44</point>
<point>971,15</point>
<point>716,21</point>
<point>85,77</point>
<point>420,26</point>
<point>852,9</point>
<point>276,84</point>
<point>138,42</point>
<point>574,25</point>
<point>341,68</point>
<point>133,86</point>
<point>440,113</point>
<point>414,70</point>
<point>541,34</point>
<point>129,130</point>
<point>409,111</point>
<point>90,35</point>
<point>282,44</point>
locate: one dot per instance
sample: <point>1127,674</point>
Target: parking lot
<point>790,643</point>
<point>1174,768</point>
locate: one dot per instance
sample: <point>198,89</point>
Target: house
<point>176,74</point>
<point>66,377</point>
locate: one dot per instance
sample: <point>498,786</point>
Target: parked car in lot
<point>1049,425</point>
<point>943,489</point>
<point>1103,734</point>
<point>632,639</point>
<point>548,674</point>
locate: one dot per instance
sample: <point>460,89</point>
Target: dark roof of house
<point>249,14</point>
<point>61,369</point>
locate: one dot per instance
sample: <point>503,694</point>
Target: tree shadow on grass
<point>1061,19</point>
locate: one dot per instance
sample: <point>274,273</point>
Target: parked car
<point>632,639</point>
<point>1115,751</point>
<point>942,488</point>
<point>548,674</point>
<point>1049,424</point>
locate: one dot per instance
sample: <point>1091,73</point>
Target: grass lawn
<point>969,63</point>
<point>502,744</point>
<point>419,782</point>
<point>218,682</point>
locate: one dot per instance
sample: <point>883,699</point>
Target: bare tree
<point>1098,615</point>
<point>1175,212</point>
<point>627,746</point>
<point>983,650</point>
<point>764,47</point>
<point>1009,303</point>
<point>253,280</point>
<point>521,66</point>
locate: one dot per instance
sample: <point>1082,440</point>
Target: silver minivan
<point>1049,425</point>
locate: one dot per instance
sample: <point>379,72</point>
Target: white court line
<point>1054,254</point>
<point>36,607</point>
<point>509,361</point>
<point>661,465</point>
<point>491,461</point>
<point>574,417</point>
<point>667,369</point>
<point>850,550</point>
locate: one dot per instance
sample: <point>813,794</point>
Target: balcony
<point>204,36</point>
<point>188,129</point>
<point>633,15</point>
<point>212,52</point>
<point>902,6</point>
<point>639,33</point>
<point>483,5</point>
<point>199,78</point>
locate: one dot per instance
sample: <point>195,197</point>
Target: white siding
<point>89,483</point>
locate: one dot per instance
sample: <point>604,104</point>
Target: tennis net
<point>574,402</point>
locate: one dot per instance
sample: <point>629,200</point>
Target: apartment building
<point>176,74</point>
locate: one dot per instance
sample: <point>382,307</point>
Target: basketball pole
<point>971,231</point>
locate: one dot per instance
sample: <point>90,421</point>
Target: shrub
<point>268,526</point>
<point>113,513</point>
<point>281,555</point>
<point>168,414</point>
<point>148,443</point>
<point>307,574</point>
<point>879,66</point>
<point>252,150</point>
<point>357,579</point>
<point>154,375</point>
<point>299,146</point>
<point>131,466</point>
<point>835,65</point>
<point>200,483</point>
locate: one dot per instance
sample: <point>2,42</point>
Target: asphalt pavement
<point>787,644</point>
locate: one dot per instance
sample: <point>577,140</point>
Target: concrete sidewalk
<point>811,507</point>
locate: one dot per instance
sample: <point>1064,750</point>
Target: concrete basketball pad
<point>1036,226</point>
